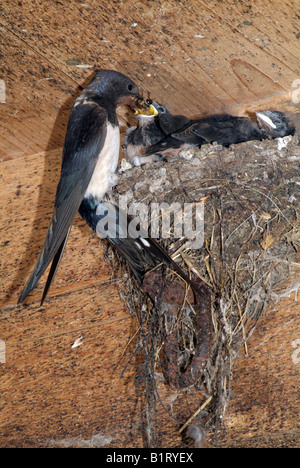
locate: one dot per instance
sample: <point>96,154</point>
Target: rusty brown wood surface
<point>196,58</point>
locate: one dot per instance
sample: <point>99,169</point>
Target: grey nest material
<point>251,202</point>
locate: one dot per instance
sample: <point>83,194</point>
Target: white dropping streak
<point>266,119</point>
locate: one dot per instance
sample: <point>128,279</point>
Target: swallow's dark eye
<point>130,87</point>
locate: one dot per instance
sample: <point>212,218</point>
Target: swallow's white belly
<point>104,176</point>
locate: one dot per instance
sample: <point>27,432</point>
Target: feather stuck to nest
<point>250,194</point>
<point>198,434</point>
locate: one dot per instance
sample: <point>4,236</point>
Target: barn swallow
<point>142,253</point>
<point>178,132</point>
<point>89,162</point>
<point>228,129</point>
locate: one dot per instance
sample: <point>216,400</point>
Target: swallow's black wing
<point>225,129</point>
<point>85,138</point>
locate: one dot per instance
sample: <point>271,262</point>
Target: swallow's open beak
<point>147,110</point>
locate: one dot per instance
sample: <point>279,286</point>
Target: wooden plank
<point>39,78</point>
<point>35,112</point>
<point>265,391</point>
<point>50,389</point>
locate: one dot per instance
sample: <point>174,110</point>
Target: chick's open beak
<point>148,110</point>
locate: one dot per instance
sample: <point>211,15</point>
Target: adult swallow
<point>89,162</point>
<point>178,132</point>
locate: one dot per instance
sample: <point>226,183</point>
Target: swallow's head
<point>117,87</point>
<point>274,124</point>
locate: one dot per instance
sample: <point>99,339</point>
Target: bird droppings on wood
<point>251,214</point>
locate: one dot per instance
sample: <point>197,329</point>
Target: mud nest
<point>250,198</point>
